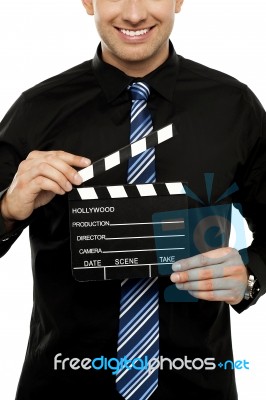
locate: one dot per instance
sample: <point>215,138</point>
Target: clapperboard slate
<point>124,231</point>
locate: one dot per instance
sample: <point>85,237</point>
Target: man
<point>63,124</point>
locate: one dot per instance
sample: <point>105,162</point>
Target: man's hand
<point>217,275</point>
<point>39,178</point>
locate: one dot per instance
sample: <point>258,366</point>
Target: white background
<point>41,39</point>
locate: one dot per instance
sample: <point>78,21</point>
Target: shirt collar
<point>113,81</point>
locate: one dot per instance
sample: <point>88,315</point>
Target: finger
<point>44,170</point>
<point>210,284</point>
<point>42,166</point>
<point>217,256</point>
<point>211,272</point>
<point>197,274</point>
<point>227,296</point>
<point>69,158</point>
<point>42,183</point>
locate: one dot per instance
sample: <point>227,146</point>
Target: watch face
<point>249,289</point>
<point>255,288</point>
<point>252,288</point>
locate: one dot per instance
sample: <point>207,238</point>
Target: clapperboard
<point>119,231</point>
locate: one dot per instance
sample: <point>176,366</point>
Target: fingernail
<point>179,285</point>
<point>176,267</point>
<point>77,178</point>
<point>68,186</point>
<point>175,277</point>
<point>86,161</point>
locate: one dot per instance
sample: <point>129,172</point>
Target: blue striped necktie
<point>139,321</point>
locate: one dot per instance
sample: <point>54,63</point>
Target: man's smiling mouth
<point>140,32</point>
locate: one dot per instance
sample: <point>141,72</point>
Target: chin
<point>135,55</point>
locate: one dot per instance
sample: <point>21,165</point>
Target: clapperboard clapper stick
<point>127,231</point>
<point>131,150</point>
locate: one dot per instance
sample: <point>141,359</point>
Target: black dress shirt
<point>85,111</point>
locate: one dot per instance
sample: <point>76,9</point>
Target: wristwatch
<point>252,288</point>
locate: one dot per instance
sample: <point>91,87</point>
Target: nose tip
<point>134,11</point>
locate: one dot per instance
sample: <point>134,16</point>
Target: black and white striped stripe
<point>131,150</point>
<point>124,191</point>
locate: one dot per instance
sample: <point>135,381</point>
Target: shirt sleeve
<point>13,150</point>
<point>252,194</point>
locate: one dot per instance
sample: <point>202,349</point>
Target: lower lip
<point>137,38</point>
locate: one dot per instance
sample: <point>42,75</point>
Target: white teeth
<point>134,33</point>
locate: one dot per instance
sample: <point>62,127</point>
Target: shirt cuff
<point>8,238</point>
<point>258,268</point>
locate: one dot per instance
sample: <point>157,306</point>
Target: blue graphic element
<point>232,189</point>
<point>174,295</point>
<point>192,195</point>
<point>230,364</point>
<point>208,183</point>
<point>184,233</point>
<point>214,237</point>
<point>171,231</point>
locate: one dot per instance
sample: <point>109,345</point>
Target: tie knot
<point>139,91</point>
